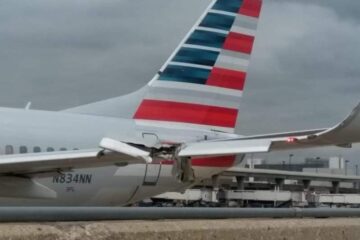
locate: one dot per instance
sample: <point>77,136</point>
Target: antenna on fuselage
<point>28,105</point>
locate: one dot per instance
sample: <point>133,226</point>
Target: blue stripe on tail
<point>228,5</point>
<point>185,74</point>
<point>196,56</point>
<point>207,39</point>
<point>218,21</point>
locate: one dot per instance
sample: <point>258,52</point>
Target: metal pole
<point>290,157</point>
<point>317,163</point>
<point>356,184</point>
<point>48,214</point>
<point>346,167</point>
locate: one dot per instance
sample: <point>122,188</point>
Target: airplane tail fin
<point>202,82</point>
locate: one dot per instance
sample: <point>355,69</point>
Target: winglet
<point>355,112</point>
<point>28,106</point>
<point>342,134</point>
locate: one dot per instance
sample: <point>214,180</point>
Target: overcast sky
<point>304,71</point>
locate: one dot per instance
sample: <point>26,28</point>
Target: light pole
<point>346,166</point>
<point>317,163</point>
<point>357,174</point>
<point>290,157</point>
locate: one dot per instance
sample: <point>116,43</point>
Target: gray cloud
<point>345,9</point>
<point>303,73</point>
<point>303,66</point>
<point>60,54</point>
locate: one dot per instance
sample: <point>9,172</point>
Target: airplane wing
<point>110,152</point>
<point>343,134</point>
<point>113,152</point>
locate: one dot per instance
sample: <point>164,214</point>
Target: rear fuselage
<point>28,131</point>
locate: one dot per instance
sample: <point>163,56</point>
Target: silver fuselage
<point>28,131</point>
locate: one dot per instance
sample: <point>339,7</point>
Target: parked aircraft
<point>172,133</point>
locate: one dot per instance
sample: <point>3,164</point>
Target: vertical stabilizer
<point>202,82</point>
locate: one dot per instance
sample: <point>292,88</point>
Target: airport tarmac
<point>269,229</point>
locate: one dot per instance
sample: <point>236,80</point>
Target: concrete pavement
<point>267,229</point>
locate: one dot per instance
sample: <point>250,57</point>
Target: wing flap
<point>124,148</point>
<point>220,148</point>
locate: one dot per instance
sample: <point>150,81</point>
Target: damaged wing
<point>110,152</point>
<point>343,134</point>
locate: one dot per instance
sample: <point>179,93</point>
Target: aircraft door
<point>152,174</point>
<point>150,139</point>
<point>153,170</point>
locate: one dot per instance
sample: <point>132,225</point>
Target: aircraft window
<point>9,149</point>
<point>63,149</point>
<point>37,149</point>
<point>23,149</point>
<point>50,149</point>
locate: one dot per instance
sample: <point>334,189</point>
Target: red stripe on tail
<point>239,42</point>
<point>227,78</point>
<point>186,113</point>
<point>251,8</point>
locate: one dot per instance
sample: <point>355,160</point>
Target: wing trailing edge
<point>219,148</point>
